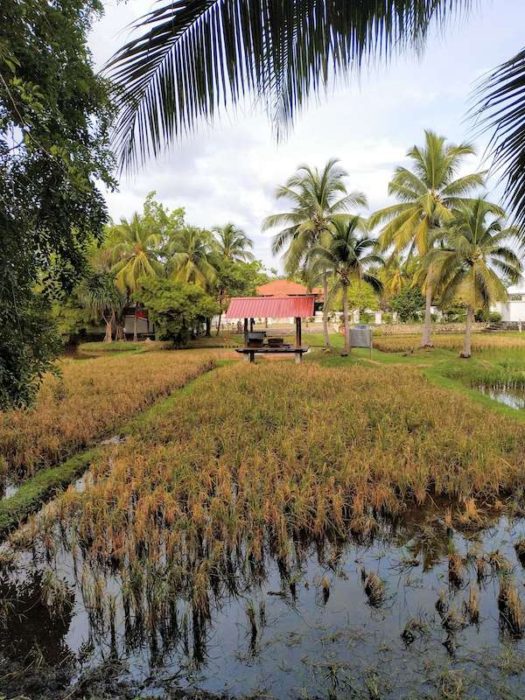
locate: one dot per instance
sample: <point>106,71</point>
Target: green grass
<point>45,484</point>
<point>101,348</point>
<point>446,369</point>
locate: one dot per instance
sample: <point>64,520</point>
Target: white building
<point>513,310</point>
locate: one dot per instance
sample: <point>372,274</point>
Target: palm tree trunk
<point>426,339</point>
<point>467,345</point>
<point>109,330</point>
<point>135,335</point>
<point>325,312</point>
<point>208,328</point>
<point>219,324</point>
<point>346,322</point>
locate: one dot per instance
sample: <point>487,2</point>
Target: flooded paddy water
<point>412,609</point>
<point>510,394</point>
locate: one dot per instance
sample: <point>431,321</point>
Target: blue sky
<point>228,171</point>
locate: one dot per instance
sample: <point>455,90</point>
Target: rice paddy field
<point>480,342</point>
<point>345,528</point>
<point>85,401</point>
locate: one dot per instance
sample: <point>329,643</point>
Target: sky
<point>229,170</point>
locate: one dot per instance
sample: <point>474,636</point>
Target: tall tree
<point>135,249</point>
<point>193,56</point>
<point>347,254</point>
<point>232,243</point>
<point>191,260</point>
<point>191,257</point>
<point>99,295</point>
<point>316,197</point>
<point>428,191</point>
<point>475,263</point>
<point>232,250</point>
<point>54,113</point>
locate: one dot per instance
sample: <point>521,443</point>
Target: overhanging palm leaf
<point>192,57</point>
<point>502,108</point>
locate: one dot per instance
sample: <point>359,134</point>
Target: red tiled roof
<point>271,307</point>
<point>281,288</point>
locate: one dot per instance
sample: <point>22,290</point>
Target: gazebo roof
<point>271,307</point>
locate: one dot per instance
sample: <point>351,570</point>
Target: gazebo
<point>250,308</point>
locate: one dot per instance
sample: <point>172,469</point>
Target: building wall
<point>512,310</point>
<point>142,325</point>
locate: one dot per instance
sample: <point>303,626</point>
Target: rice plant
<point>87,400</point>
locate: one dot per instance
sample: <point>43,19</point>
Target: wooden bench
<point>265,350</point>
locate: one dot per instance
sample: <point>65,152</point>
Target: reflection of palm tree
<point>474,263</point>
<point>135,248</point>
<point>427,192</point>
<point>316,197</point>
<point>191,58</point>
<point>347,255</point>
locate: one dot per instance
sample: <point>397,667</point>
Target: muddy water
<point>299,628</point>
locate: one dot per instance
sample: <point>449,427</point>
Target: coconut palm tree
<point>475,264</point>
<point>190,259</point>
<point>135,249</point>
<point>316,197</point>
<point>100,296</point>
<point>191,57</point>
<point>190,255</point>
<point>428,191</point>
<point>347,254</point>
<point>232,243</point>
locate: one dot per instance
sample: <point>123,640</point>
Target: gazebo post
<point>298,340</point>
<point>245,332</point>
<point>252,323</point>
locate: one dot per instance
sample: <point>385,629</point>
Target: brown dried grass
<point>89,399</point>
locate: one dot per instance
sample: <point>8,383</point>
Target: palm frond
<point>190,58</point>
<point>502,111</point>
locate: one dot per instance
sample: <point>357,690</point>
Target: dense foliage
<point>176,308</point>
<point>54,113</point>
<point>409,304</point>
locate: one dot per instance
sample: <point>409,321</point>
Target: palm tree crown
<point>232,243</point>
<point>475,264</point>
<point>316,197</point>
<point>502,107</point>
<point>135,249</point>
<point>427,193</point>
<point>190,257</point>
<point>348,253</point>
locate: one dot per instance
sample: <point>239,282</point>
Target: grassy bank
<point>44,485</point>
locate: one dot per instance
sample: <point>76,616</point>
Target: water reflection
<point>392,611</point>
<point>512,395</point>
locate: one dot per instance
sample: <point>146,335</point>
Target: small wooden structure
<point>250,308</point>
